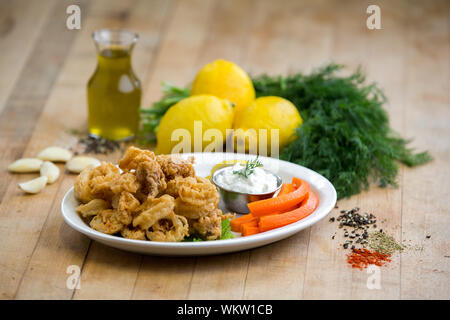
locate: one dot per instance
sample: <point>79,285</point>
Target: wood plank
<point>59,246</point>
<point>328,276</point>
<point>17,121</point>
<point>21,22</point>
<point>103,263</point>
<point>281,41</point>
<point>19,222</point>
<point>289,37</point>
<point>185,32</point>
<point>177,38</point>
<point>426,190</point>
<point>223,277</point>
<point>215,31</point>
<point>386,47</point>
<point>73,78</point>
<point>164,278</point>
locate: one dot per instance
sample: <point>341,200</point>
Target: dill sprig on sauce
<point>249,168</point>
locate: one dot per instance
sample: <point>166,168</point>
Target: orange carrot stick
<point>279,220</point>
<point>249,230</point>
<point>253,223</point>
<point>237,222</point>
<point>286,188</point>
<point>283,202</point>
<point>296,182</point>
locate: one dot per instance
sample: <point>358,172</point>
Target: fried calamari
<point>172,228</point>
<point>195,196</point>
<point>154,210</point>
<point>133,233</point>
<point>174,166</point>
<point>125,204</point>
<point>133,156</point>
<point>106,221</point>
<point>96,183</point>
<point>210,225</point>
<point>158,198</point>
<point>151,178</point>
<point>92,208</point>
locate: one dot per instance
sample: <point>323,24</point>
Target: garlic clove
<point>25,165</point>
<point>55,154</point>
<point>34,186</point>
<point>49,170</point>
<point>79,163</point>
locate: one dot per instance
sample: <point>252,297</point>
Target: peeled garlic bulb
<point>49,170</point>
<point>34,186</point>
<point>77,164</point>
<point>55,154</point>
<point>25,165</point>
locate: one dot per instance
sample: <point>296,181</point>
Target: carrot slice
<point>281,203</point>
<point>296,182</point>
<point>286,188</point>
<point>279,220</point>
<point>249,230</point>
<point>253,223</point>
<point>238,222</point>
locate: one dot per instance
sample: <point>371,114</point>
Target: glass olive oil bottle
<point>114,91</point>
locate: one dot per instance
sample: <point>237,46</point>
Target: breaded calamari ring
<point>125,205</point>
<point>102,179</point>
<point>106,222</point>
<point>156,209</point>
<point>127,181</point>
<point>133,156</point>
<point>82,186</point>
<point>92,208</point>
<point>170,229</point>
<point>209,226</point>
<point>175,166</point>
<point>191,211</point>
<point>200,193</point>
<point>151,178</point>
<point>174,185</point>
<point>133,233</point>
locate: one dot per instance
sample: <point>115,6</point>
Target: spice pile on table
<point>361,258</point>
<point>99,145</point>
<point>355,226</point>
<point>384,243</point>
<point>360,239</point>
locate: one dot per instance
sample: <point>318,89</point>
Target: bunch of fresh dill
<point>345,135</point>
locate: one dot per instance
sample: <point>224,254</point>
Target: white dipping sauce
<point>259,181</point>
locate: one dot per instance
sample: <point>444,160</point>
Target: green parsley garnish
<point>249,168</point>
<point>226,230</point>
<point>150,117</point>
<point>226,233</point>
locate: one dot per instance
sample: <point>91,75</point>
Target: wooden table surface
<point>44,68</point>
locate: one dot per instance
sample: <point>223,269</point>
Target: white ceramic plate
<point>203,165</point>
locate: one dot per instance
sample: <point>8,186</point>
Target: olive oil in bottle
<point>114,91</point>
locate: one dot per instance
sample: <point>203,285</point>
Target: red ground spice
<point>361,258</point>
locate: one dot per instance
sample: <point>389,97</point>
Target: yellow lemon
<point>225,80</point>
<point>193,124</point>
<point>266,113</point>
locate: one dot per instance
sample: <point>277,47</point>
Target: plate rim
<point>266,237</point>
